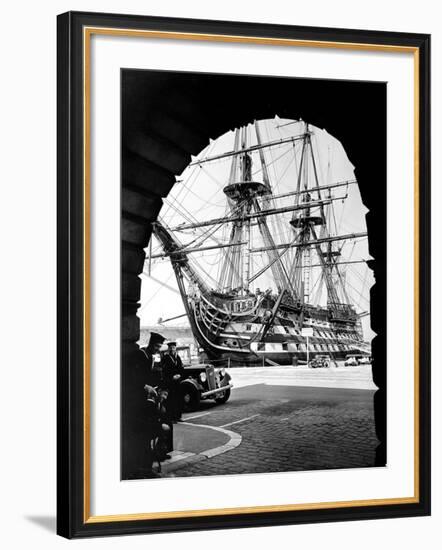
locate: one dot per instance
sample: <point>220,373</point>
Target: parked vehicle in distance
<point>354,360</point>
<point>202,381</point>
<point>351,361</point>
<point>320,361</point>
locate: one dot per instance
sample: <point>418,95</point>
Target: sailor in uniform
<point>173,373</point>
<point>156,377</point>
<point>152,353</point>
<point>137,417</point>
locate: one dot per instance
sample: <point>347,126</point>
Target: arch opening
<point>260,196</point>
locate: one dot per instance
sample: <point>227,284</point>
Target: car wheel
<point>191,397</point>
<point>223,397</point>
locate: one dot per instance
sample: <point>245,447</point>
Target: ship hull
<point>233,332</point>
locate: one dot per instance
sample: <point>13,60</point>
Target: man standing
<point>138,421</point>
<point>151,351</point>
<point>173,373</point>
<point>158,378</point>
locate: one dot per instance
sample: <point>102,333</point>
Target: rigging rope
<point>188,182</point>
<point>211,176</point>
<point>155,294</point>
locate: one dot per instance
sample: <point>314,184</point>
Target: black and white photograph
<point>260,277</point>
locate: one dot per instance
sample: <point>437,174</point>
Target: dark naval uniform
<point>154,367</point>
<point>137,413</point>
<point>171,366</point>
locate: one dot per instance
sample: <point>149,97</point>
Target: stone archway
<point>167,117</point>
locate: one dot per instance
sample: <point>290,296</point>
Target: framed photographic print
<point>243,274</point>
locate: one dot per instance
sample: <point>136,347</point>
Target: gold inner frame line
<point>87,33</point>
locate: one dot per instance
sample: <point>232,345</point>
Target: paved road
<point>282,426</point>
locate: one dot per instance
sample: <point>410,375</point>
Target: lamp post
<point>307,332</point>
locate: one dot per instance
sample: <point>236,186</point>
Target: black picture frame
<point>73,517</point>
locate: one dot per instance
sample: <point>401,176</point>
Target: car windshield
<point>184,353</point>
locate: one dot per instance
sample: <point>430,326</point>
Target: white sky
<point>199,195</point>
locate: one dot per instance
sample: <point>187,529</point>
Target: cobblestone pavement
<point>289,428</point>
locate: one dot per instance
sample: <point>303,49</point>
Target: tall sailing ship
<point>306,309</point>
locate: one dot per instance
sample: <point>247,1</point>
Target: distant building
<point>182,335</point>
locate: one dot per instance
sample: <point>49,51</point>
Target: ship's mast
<point>302,222</point>
<point>246,175</point>
<point>227,264</point>
<point>250,204</point>
<point>305,223</point>
<point>243,193</point>
<point>279,272</point>
<point>235,270</point>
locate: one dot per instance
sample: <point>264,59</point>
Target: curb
<point>181,459</point>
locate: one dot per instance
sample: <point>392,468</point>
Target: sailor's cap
<point>156,338</point>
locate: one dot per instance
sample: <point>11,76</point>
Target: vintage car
<point>320,361</point>
<point>202,381</point>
